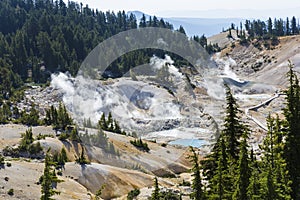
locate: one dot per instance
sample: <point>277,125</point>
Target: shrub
<point>42,137</point>
<point>1,160</point>
<point>82,159</point>
<point>35,148</point>
<point>164,144</point>
<point>132,194</point>
<point>63,136</point>
<point>10,192</point>
<point>185,183</point>
<point>138,143</point>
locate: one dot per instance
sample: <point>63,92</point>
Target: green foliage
<point>110,124</point>
<point>5,113</point>
<point>155,192</point>
<point>197,192</point>
<point>275,174</point>
<point>87,123</point>
<point>273,28</point>
<point>60,158</point>
<point>242,183</point>
<point>222,179</point>
<point>27,147</point>
<point>233,126</point>
<point>82,158</point>
<point>99,192</point>
<point>185,183</point>
<point>59,118</point>
<point>63,136</point>
<point>98,140</point>
<point>43,136</point>
<point>1,161</point>
<point>10,192</point>
<point>27,139</point>
<point>210,48</point>
<point>48,179</point>
<point>133,194</point>
<point>74,136</point>
<point>31,118</point>
<point>48,36</point>
<point>138,143</point>
<point>35,148</point>
<point>169,194</point>
<point>291,132</point>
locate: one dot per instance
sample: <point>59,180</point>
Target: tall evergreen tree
<point>155,193</point>
<point>48,179</point>
<point>254,189</point>
<point>287,27</point>
<point>220,185</point>
<point>242,183</point>
<point>233,126</point>
<point>292,145</point>
<point>275,183</point>
<point>198,193</point>
<point>294,28</point>
<point>270,26</point>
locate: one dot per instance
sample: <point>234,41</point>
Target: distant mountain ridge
<point>196,26</point>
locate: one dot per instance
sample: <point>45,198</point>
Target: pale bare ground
<point>273,62</point>
<point>158,161</point>
<point>10,134</point>
<point>23,176</point>
<point>130,169</point>
<point>222,39</point>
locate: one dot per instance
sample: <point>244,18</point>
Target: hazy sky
<point>191,8</point>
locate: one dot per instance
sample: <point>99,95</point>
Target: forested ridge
<point>41,37</point>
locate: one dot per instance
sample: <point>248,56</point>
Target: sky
<point>202,8</point>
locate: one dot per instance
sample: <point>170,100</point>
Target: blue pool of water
<point>189,142</point>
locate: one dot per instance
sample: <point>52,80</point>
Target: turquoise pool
<point>189,142</point>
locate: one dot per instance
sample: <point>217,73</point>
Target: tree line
<point>270,29</point>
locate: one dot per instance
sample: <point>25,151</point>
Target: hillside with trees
<point>50,155</point>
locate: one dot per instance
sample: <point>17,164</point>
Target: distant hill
<point>197,26</point>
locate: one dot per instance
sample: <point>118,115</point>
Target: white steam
<point>227,63</point>
<point>157,63</point>
<point>129,101</point>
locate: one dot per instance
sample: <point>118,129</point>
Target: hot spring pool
<point>189,142</point>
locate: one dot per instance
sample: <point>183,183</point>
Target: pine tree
<point>254,192</point>
<point>48,179</point>
<point>225,153</point>
<point>143,21</point>
<point>110,124</point>
<point>27,140</point>
<point>102,122</point>
<point>287,27</point>
<point>268,189</point>
<point>233,126</point>
<point>292,145</point>
<point>221,183</point>
<point>117,128</point>
<point>82,160</point>
<point>155,193</point>
<point>1,161</point>
<point>242,182</point>
<point>270,26</point>
<point>275,183</point>
<point>294,28</point>
<point>181,30</point>
<point>198,193</point>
